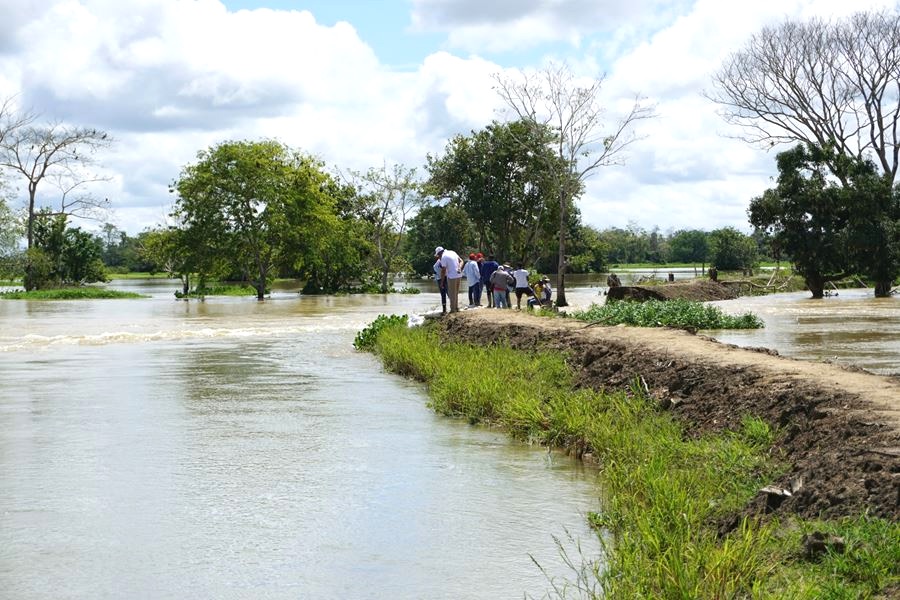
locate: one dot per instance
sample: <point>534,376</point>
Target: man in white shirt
<point>451,272</point>
<point>522,287</point>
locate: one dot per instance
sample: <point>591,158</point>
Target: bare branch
<point>35,152</point>
<point>819,82</point>
<point>574,114</point>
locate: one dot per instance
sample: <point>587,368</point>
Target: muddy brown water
<point>166,449</point>
<point>852,328</point>
<point>233,449</point>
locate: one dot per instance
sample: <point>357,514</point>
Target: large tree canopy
<point>829,228</point>
<point>259,203</point>
<point>504,177</point>
<point>819,82</point>
<point>56,151</point>
<point>826,84</point>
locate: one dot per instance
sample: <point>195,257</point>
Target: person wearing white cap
<point>451,273</point>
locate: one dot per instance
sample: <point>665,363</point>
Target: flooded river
<point>155,448</point>
<point>234,449</point>
<point>852,328</point>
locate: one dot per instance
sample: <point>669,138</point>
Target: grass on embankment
<point>79,293</point>
<point>670,313</point>
<point>662,494</point>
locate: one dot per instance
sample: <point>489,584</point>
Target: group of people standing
<point>484,273</point>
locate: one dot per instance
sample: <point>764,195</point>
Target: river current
<point>157,448</point>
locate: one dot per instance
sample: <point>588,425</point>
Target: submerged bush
<point>670,313</point>
<point>365,339</point>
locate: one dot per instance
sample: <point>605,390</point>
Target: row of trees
<point>254,209</point>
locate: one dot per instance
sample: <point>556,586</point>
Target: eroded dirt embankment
<point>838,429</point>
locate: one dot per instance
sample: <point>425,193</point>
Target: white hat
<point>438,250</point>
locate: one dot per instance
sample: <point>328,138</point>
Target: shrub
<point>365,339</point>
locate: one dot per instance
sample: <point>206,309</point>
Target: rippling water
<point>163,449</point>
<point>852,328</point>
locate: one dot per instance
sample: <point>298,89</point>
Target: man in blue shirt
<point>487,269</point>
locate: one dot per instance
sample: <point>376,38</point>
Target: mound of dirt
<point>838,429</point>
<point>698,290</point>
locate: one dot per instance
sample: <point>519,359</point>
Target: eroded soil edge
<point>837,428</point>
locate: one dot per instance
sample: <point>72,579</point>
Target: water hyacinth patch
<point>671,313</point>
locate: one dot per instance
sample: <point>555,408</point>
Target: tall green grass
<point>662,493</point>
<point>670,313</point>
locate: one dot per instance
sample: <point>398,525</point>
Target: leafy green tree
<point>588,249</point>
<point>731,250</point>
<point>823,83</point>
<point>260,203</point>
<point>387,200</point>
<point>114,244</point>
<point>180,253</point>
<point>504,177</point>
<point>630,245</point>
<point>11,231</point>
<point>433,226</point>
<point>689,246</point>
<point>66,255</point>
<point>62,153</point>
<point>830,226</point>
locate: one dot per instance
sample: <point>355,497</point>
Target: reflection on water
<point>166,449</point>
<point>853,328</point>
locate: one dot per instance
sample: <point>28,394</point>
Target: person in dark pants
<point>442,285</point>
<point>487,269</point>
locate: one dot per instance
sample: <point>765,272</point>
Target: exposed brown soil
<point>700,290</point>
<point>838,428</point>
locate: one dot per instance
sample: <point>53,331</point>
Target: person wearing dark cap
<point>451,273</point>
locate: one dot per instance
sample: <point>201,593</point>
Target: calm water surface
<point>233,449</point>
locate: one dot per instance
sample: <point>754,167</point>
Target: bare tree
<point>819,82</point>
<point>389,197</point>
<point>832,84</point>
<point>553,97</point>
<point>64,153</point>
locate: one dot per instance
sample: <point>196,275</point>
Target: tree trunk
<point>384,281</point>
<point>29,280</point>
<point>883,289</point>
<point>561,264</point>
<point>816,286</point>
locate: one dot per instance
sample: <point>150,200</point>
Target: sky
<point>369,83</point>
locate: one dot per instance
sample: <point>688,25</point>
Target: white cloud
<point>167,78</point>
<point>506,25</point>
